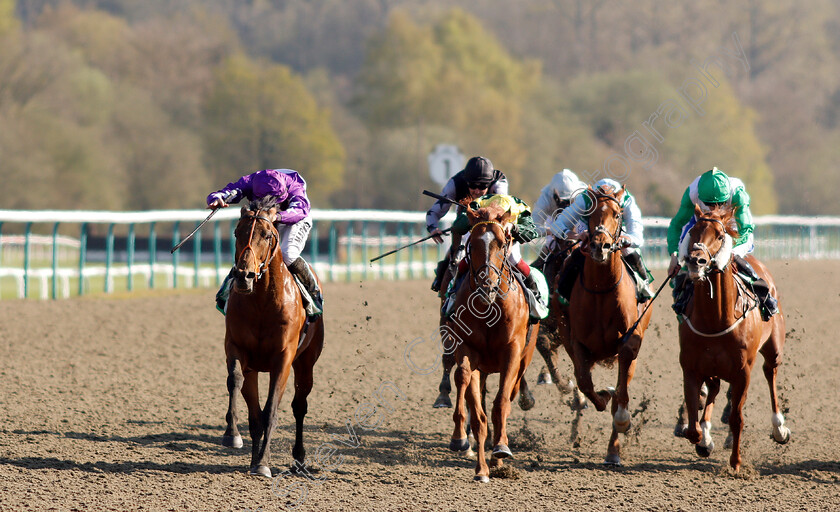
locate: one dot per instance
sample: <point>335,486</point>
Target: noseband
<point>264,264</point>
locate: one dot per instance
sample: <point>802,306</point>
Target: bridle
<point>263,266</point>
<point>484,269</point>
<point>615,245</point>
<point>713,262</point>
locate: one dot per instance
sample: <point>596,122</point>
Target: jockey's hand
<point>217,203</point>
<point>624,241</point>
<point>674,266</point>
<point>437,235</point>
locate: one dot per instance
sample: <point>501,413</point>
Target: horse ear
<point>505,218</point>
<point>243,211</point>
<point>697,211</point>
<point>619,195</point>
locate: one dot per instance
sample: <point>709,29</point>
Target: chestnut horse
<point>602,309</point>
<point>263,333</point>
<point>722,331</point>
<point>490,327</point>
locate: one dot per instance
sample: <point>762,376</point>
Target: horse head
<point>257,243</point>
<point>487,248</point>
<point>707,246</point>
<point>605,221</point>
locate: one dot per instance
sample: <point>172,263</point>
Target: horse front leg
<point>478,421</point>
<point>232,438</point>
<point>501,406</point>
<point>583,374</point>
<point>691,394</point>
<point>251,394</point>
<point>276,385</point>
<point>736,418</point>
<point>619,408</point>
<point>706,445</point>
<point>463,376</point>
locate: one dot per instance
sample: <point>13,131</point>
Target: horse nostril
<point>605,246</point>
<point>701,261</point>
<point>251,275</point>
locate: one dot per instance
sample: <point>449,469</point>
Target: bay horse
<point>722,332</point>
<point>490,326</point>
<point>602,309</point>
<point>263,333</point>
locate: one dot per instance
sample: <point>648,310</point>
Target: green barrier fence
<point>56,254</point>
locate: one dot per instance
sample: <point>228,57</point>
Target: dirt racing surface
<point>118,404</point>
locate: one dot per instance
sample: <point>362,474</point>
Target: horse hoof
<point>482,479</point>
<point>704,451</point>
<point>459,445</point>
<point>612,459</point>
<point>232,441</point>
<point>526,401</point>
<point>261,471</point>
<point>544,378</point>
<point>781,435</point>
<point>679,430</point>
<point>728,442</point>
<point>501,451</point>
<point>443,402</point>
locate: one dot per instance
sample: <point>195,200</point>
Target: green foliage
<point>8,21</point>
<point>263,118</point>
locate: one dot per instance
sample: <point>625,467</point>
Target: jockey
<point>476,179</point>
<point>523,231</point>
<point>710,189</point>
<point>554,198</point>
<point>573,222</point>
<point>293,222</point>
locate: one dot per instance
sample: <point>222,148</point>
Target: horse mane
<point>263,204</point>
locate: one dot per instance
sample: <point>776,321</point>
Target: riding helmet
<point>479,171</point>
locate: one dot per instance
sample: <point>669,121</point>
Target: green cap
<point>713,187</point>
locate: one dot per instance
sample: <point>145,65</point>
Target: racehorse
<point>602,309</point>
<point>526,398</point>
<point>494,335</point>
<point>266,330</point>
<point>722,331</point>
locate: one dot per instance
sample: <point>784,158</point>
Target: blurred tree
<point>260,116</point>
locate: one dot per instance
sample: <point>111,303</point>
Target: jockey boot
<point>767,304</point>
<point>223,294</point>
<point>683,288</point>
<point>570,271</point>
<point>528,278</point>
<point>439,272</point>
<point>745,269</point>
<point>301,270</point>
<point>643,291</point>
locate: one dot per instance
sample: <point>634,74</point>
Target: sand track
<point>118,404</point>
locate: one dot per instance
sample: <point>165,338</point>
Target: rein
<point>263,265</point>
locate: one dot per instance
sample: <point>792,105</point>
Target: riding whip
<point>182,242</point>
<point>412,243</point>
<point>636,323</point>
